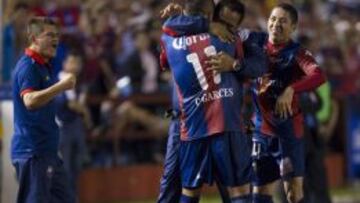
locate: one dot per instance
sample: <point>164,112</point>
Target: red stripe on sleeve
<point>314,76</point>
<point>169,31</point>
<point>22,93</point>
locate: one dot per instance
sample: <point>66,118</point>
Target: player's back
<point>210,102</point>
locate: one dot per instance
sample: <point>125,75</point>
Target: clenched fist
<point>67,81</point>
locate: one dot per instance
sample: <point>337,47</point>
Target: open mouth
<point>277,30</point>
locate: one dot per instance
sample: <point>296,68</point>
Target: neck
<point>37,50</point>
<point>278,42</point>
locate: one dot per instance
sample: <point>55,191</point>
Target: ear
<point>33,39</point>
<point>293,27</point>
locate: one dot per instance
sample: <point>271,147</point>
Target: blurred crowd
<point>124,90</point>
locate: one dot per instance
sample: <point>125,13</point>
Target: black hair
<point>234,5</point>
<point>291,10</point>
<point>194,7</point>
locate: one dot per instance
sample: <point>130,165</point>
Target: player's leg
<point>264,193</point>
<point>34,182</point>
<point>265,167</point>
<point>195,167</point>
<point>294,190</point>
<point>170,184</point>
<point>37,176</point>
<point>292,165</point>
<point>224,193</point>
<point>231,153</point>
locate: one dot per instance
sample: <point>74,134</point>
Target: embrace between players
<point>210,62</point>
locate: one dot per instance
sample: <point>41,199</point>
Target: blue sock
<point>258,198</point>
<point>241,199</point>
<point>187,199</point>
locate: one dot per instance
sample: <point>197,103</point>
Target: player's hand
<point>68,81</point>
<point>283,106</point>
<point>171,10</point>
<point>222,32</point>
<point>221,62</point>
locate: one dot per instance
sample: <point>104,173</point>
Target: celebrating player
<point>210,125</point>
<point>35,141</point>
<point>278,149</point>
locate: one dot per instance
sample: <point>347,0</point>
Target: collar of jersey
<point>35,56</point>
<point>274,48</point>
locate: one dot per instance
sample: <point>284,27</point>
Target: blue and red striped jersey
<point>210,103</point>
<point>289,65</point>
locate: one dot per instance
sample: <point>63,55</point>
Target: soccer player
<point>35,140</point>
<point>278,148</point>
<point>231,14</point>
<point>210,106</point>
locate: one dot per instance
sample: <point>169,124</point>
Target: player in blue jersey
<point>278,149</point>
<point>35,140</point>
<point>170,185</point>
<point>210,105</point>
<point>231,14</point>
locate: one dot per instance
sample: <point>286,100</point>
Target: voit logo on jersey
<point>183,42</point>
<point>214,95</point>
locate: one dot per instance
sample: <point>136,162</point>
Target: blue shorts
<point>276,157</point>
<point>224,157</point>
<point>42,179</point>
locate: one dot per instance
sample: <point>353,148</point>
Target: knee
<point>294,195</point>
<point>268,189</point>
<point>239,190</point>
<point>193,192</point>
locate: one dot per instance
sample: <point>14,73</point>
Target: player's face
<point>230,18</point>
<point>48,41</point>
<point>280,26</point>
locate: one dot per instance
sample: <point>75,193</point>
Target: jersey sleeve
<point>313,75</point>
<point>29,79</point>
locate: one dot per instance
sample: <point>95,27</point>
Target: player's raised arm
<point>37,98</point>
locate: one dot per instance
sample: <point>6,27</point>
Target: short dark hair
<point>234,5</point>
<point>36,24</point>
<point>195,7</point>
<point>291,10</point>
